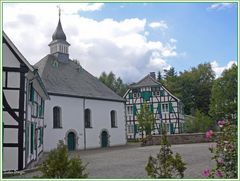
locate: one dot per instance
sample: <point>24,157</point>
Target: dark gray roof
<point>146,81</point>
<point>67,79</point>
<point>59,34</point>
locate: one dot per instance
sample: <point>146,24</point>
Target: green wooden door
<point>104,139</point>
<point>71,141</point>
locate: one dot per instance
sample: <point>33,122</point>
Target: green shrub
<point>198,124</point>
<point>165,165</point>
<point>58,165</point>
<point>225,154</point>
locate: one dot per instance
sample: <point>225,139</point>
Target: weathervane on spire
<point>59,11</point>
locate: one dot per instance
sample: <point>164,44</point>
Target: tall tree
<point>145,119</point>
<point>116,84</point>
<point>194,88</point>
<point>224,95</point>
<point>159,76</point>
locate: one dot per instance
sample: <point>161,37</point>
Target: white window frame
<point>165,107</point>
<point>129,110</point>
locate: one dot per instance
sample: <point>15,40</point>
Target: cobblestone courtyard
<point>129,161</point>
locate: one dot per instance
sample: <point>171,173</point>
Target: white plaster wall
<point>101,120</point>
<point>72,118</point>
<point>14,79</point>
<point>9,60</point>
<point>10,158</point>
<point>11,135</point>
<point>12,97</point>
<point>8,120</point>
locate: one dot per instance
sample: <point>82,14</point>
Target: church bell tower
<point>59,46</point>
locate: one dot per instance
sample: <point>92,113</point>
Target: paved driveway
<point>129,161</point>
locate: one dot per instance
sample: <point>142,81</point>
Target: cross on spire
<point>59,11</point>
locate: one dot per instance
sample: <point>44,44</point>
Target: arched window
<point>113,115</point>
<point>57,117</point>
<point>87,118</point>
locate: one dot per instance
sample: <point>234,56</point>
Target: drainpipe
<point>84,128</point>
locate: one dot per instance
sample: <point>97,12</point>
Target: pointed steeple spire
<point>59,34</point>
<point>59,45</point>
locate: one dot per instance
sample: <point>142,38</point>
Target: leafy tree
<point>198,124</point>
<point>224,95</point>
<point>193,88</point>
<point>165,165</point>
<point>170,78</point>
<point>116,84</point>
<point>159,76</point>
<point>146,119</point>
<point>58,165</point>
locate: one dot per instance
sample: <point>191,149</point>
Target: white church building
<point>82,111</point>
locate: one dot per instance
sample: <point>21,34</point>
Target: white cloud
<point>172,40</point>
<point>158,25</point>
<point>107,45</point>
<point>220,6</point>
<point>218,69</point>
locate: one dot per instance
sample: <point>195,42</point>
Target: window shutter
<point>31,92</point>
<point>32,139</point>
<point>135,128</point>
<point>35,144</point>
<point>151,108</point>
<point>41,135</point>
<point>134,110</point>
<point>170,107</point>
<point>159,108</point>
<point>130,95</point>
<point>161,92</point>
<point>171,128</point>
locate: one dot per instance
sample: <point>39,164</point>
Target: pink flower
<point>209,134</point>
<point>221,123</point>
<point>206,173</point>
<point>219,174</point>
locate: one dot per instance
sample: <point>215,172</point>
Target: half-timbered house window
<point>165,108</point>
<point>113,115</point>
<point>87,118</point>
<point>31,98</point>
<point>57,117</point>
<point>41,108</point>
<point>129,110</point>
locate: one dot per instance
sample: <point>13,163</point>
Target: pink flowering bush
<point>225,152</point>
<point>209,134</point>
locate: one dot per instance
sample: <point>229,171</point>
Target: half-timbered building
<point>23,109</point>
<point>167,108</point>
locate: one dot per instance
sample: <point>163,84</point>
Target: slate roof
<point>146,81</point>
<point>149,81</point>
<point>67,79</point>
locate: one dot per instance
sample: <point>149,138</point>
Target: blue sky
<point>132,39</point>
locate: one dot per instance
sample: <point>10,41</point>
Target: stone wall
<point>178,139</point>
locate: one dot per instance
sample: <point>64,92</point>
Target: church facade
<point>23,110</point>
<point>82,111</point>
<point>167,108</point>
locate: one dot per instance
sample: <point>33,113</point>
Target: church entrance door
<point>104,137</point>
<point>71,141</point>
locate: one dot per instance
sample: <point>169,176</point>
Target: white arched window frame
<point>113,115</point>
<point>57,117</point>
<point>87,118</point>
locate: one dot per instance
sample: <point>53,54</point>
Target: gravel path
<point>129,161</point>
